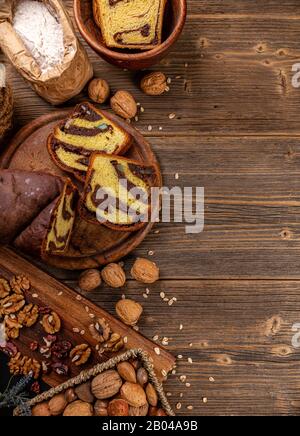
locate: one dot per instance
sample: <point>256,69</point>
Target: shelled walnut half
<point>28,316</point>
<point>51,323</point>
<point>80,354</point>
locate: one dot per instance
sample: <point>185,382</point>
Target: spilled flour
<point>41,33</point>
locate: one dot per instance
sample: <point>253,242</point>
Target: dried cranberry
<point>49,340</point>
<point>60,368</point>
<point>10,349</point>
<point>61,349</point>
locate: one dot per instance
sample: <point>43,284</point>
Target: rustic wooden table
<point>236,133</point>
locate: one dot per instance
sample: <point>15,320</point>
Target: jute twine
<point>85,376</point>
<point>6,109</point>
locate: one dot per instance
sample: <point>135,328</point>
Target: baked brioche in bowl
<point>132,59</point>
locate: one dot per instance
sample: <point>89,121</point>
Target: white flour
<point>2,76</point>
<point>40,32</point>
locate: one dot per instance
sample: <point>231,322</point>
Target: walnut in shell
<point>154,83</point>
<point>124,105</point>
<point>114,275</point>
<point>129,311</point>
<point>106,385</point>
<point>90,280</point>
<point>145,271</point>
<point>98,90</point>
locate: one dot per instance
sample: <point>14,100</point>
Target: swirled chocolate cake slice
<point>50,232</point>
<point>117,192</point>
<point>61,223</point>
<point>135,24</point>
<point>85,131</point>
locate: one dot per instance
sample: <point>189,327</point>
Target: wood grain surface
<point>236,133</point>
<point>46,292</point>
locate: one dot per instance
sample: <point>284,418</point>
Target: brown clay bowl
<point>174,21</point>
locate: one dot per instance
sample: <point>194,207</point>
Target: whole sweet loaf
<point>117,192</point>
<point>134,24</point>
<point>37,211</point>
<point>85,131</point>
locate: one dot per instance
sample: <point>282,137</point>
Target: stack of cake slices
<point>116,191</point>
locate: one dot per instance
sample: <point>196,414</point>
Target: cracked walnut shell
<point>28,316</point>
<point>100,330</point>
<point>114,275</point>
<point>80,354</point>
<point>51,323</point>
<point>4,288</point>
<point>145,271</point>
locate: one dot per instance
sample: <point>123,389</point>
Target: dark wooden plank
<point>241,333</point>
<point>237,79</point>
<point>45,291</point>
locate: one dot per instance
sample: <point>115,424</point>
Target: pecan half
<point>12,304</point>
<point>4,288</point>
<point>28,315</point>
<point>20,284</point>
<point>80,354</point>
<point>12,327</point>
<point>51,323</point>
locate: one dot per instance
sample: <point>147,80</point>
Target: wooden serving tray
<point>46,291</point>
<point>91,245</point>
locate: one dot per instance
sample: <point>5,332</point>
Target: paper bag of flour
<point>63,80</point>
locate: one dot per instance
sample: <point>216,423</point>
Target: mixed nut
<point>51,353</point>
<point>114,392</point>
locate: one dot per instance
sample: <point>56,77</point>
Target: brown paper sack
<point>62,82</point>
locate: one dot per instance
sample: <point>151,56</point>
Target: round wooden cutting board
<point>91,245</point>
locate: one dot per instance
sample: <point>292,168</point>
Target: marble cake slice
<point>114,177</point>
<point>50,232</point>
<point>133,24</point>
<point>85,131</point>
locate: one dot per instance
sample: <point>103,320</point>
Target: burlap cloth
<point>85,376</point>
